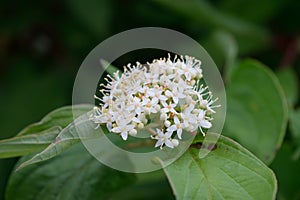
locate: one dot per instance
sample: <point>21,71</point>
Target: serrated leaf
<point>228,172</point>
<point>74,174</point>
<point>289,83</point>
<point>257,109</point>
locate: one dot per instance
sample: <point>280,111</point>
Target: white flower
<point>163,139</point>
<point>184,69</point>
<point>164,94</point>
<point>207,105</point>
<point>165,80</point>
<point>168,107</point>
<point>156,93</point>
<point>177,126</point>
<point>202,121</point>
<point>152,77</point>
<point>103,117</point>
<point>174,94</point>
<point>123,128</point>
<point>107,100</point>
<point>187,116</point>
<point>135,105</point>
<point>149,105</point>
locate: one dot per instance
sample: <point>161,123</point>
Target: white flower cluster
<point>166,90</point>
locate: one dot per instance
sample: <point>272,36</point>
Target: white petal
<point>175,99</point>
<point>136,99</point>
<point>159,143</point>
<point>109,126</point>
<point>168,93</point>
<point>138,110</point>
<point>164,110</point>
<point>134,119</point>
<point>150,93</point>
<point>131,107</point>
<point>205,124</point>
<point>180,95</point>
<point>153,110</point>
<point>179,133</point>
<point>201,114</point>
<point>154,101</point>
<point>168,134</point>
<point>164,103</point>
<point>116,130</point>
<point>168,143</point>
<point>159,133</point>
<point>171,128</point>
<point>124,135</point>
<point>163,98</point>
<point>129,127</point>
<point>176,120</point>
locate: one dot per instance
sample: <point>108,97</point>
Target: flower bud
<point>140,126</point>
<point>175,142</point>
<point>167,123</point>
<point>133,132</point>
<point>163,117</point>
<point>157,107</point>
<point>196,111</point>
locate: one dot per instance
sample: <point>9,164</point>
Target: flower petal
<point>205,124</point>
<point>124,135</point>
<point>179,133</point>
<point>168,134</point>
<point>159,143</point>
<point>168,143</point>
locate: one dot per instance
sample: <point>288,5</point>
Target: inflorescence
<point>169,91</point>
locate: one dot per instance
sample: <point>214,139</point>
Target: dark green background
<point>42,44</point>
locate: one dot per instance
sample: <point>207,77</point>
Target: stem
<point>152,131</point>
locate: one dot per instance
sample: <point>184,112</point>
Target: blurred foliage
<point>254,101</point>
<point>42,44</point>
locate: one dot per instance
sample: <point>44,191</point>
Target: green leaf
<point>294,125</point>
<point>202,12</point>
<point>288,80</point>
<point>228,172</point>
<point>74,174</point>
<point>38,136</point>
<point>149,186</point>
<point>65,139</point>
<point>60,117</point>
<point>222,46</point>
<point>26,144</point>
<point>264,10</point>
<point>257,110</point>
<point>287,172</point>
